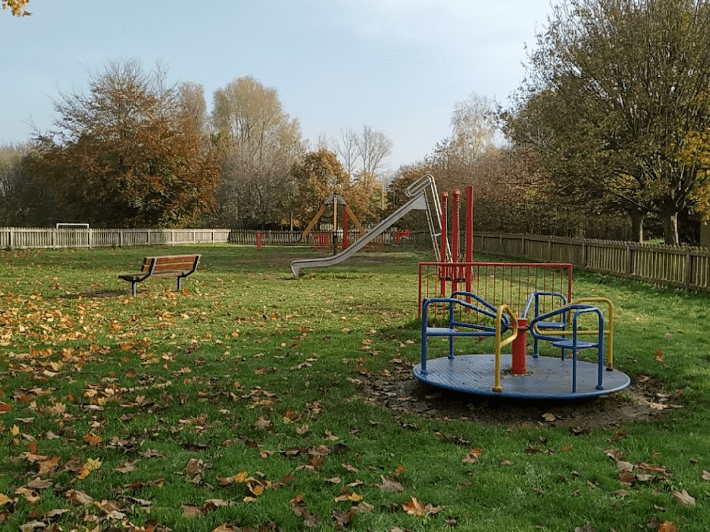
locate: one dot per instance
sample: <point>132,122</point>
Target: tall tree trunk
<point>637,218</point>
<point>670,228</point>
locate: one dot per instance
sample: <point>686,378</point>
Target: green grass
<point>249,370</point>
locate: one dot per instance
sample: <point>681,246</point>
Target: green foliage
<point>610,99</point>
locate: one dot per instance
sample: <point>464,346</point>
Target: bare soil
<point>397,390</point>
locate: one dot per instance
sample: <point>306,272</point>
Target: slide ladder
<point>422,197</point>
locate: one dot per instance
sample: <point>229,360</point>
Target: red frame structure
<point>509,283</point>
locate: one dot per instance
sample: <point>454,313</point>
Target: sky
<point>397,66</point>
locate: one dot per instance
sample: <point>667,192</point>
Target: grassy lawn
<point>234,406</point>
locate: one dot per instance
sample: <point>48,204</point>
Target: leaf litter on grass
<point>63,344</point>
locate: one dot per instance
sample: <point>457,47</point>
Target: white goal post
<point>71,226</point>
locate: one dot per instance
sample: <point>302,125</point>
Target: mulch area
<point>397,390</point>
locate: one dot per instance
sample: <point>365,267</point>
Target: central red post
<point>520,348</point>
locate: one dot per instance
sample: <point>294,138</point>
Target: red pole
<point>469,234</point>
<point>444,231</point>
<point>345,228</point>
<point>455,240</point>
<point>258,240</point>
<point>520,348</point>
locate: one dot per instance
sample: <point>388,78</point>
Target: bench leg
<point>133,288</point>
<point>179,283</point>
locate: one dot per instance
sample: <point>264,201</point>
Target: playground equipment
<point>422,196</point>
<point>324,241</point>
<point>516,297</point>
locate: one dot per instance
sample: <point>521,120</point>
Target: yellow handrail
<point>499,325</point>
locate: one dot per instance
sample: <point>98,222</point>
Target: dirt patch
<point>398,390</point>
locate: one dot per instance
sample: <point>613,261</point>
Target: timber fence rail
<point>678,266</point>
<point>288,238</point>
<point>44,237</point>
<point>23,237</point>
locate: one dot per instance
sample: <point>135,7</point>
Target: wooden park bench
<point>178,266</point>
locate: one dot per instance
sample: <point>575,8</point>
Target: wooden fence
<point>288,238</point>
<point>22,237</point>
<point>682,266</point>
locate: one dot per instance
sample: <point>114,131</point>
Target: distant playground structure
<point>422,196</point>
<point>460,300</point>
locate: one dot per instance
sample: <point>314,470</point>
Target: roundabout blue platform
<point>545,377</point>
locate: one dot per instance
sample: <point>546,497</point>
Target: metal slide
<point>423,197</point>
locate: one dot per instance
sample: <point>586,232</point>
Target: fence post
<point>584,253</point>
<point>549,249</point>
<point>629,265</point>
<point>688,269</point>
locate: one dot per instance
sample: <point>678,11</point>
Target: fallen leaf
<point>39,484</point>
<point>127,467</point>
<point>191,510</point>
<point>343,519</point>
<point>549,417</point>
<point>391,484</point>
<point>56,513</point>
<point>682,497</point>
<point>706,475</point>
<point>48,466</point>
<point>31,496</point>
<point>92,439</point>
<point>472,456</point>
<point>33,525</point>
<point>79,497</point>
<point>667,526</point>
<point>413,507</point>
<point>88,467</point>
<point>4,499</point>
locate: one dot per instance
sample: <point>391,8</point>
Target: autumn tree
<point>126,154</point>
<point>316,176</point>
<point>346,147</point>
<point>259,143</point>
<point>191,98</point>
<point>364,197</point>
<point>17,7</point>
<point>611,95</point>
<point>404,176</point>
<point>363,156</point>
<point>24,200</point>
<point>372,148</point>
<point>456,159</point>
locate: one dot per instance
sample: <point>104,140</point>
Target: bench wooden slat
<point>178,266</point>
